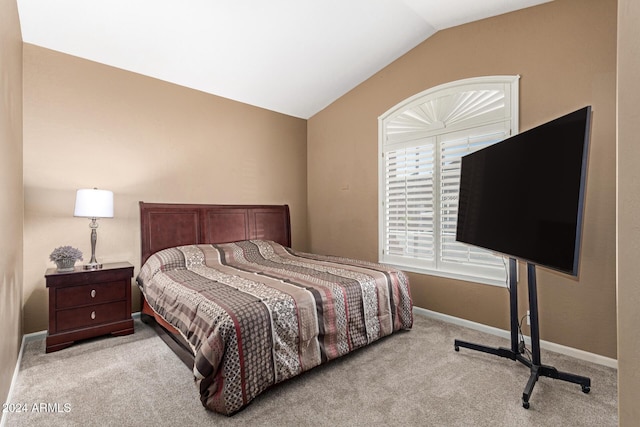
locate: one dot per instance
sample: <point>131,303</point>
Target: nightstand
<point>88,303</point>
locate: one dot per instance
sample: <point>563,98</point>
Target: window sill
<point>450,275</point>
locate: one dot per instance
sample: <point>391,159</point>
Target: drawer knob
<point>93,315</point>
<point>93,293</point>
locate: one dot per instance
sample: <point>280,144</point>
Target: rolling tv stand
<point>515,352</point>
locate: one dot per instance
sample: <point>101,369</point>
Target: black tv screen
<point>523,197</point>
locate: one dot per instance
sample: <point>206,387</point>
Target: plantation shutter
<point>422,141</point>
<point>456,256</point>
<point>409,205</point>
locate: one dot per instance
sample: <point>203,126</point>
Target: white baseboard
<point>14,379</point>
<point>547,345</point>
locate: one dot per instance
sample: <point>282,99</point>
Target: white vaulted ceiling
<point>290,56</point>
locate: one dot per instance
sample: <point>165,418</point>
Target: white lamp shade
<point>94,203</point>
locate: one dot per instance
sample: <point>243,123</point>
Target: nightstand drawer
<point>76,296</point>
<point>91,315</point>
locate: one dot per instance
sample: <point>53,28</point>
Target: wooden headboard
<point>165,225</point>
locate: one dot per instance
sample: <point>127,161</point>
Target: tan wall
<point>10,192</point>
<point>628,208</point>
<point>565,53</point>
<point>87,125</point>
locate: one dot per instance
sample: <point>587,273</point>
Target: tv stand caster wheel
<point>525,405</point>
<point>586,389</point>
<point>456,348</point>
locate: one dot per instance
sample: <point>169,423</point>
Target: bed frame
<point>165,225</point>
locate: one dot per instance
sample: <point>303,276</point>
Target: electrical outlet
<point>528,318</point>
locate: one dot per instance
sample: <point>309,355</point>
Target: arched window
<point>421,141</point>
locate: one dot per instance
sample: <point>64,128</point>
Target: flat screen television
<point>524,196</point>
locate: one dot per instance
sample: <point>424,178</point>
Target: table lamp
<point>93,204</point>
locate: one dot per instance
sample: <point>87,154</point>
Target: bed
<point>244,310</point>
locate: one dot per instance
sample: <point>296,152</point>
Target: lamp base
<point>92,266</point>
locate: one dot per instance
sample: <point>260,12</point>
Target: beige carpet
<point>412,378</point>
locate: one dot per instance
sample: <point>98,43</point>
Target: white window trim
<point>408,104</point>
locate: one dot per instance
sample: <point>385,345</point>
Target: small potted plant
<point>65,257</point>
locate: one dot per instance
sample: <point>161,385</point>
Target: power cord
<point>506,270</point>
<point>522,348</point>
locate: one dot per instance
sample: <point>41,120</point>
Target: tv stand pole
<point>516,352</point>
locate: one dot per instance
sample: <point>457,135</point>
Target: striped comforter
<point>257,313</point>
